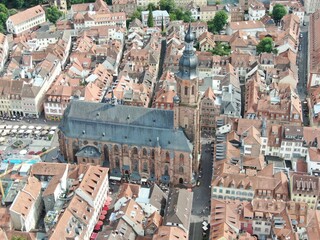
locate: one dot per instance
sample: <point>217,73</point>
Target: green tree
<point>168,5</point>
<point>12,11</point>
<point>53,14</point>
<point>150,19</point>
<point>3,18</point>
<point>4,14</point>
<point>180,14</point>
<point>221,49</point>
<point>266,45</point>
<point>4,9</point>
<point>151,6</point>
<point>18,3</point>
<point>278,12</point>
<point>218,22</point>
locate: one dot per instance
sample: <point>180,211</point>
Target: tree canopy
<point>151,6</point>
<point>179,14</point>
<point>221,49</point>
<point>266,45</point>
<point>218,22</point>
<point>278,12</point>
<point>150,22</point>
<point>53,14</point>
<point>168,5</point>
<point>4,14</point>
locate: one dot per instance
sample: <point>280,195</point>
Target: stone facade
<point>152,148</point>
<point>149,162</point>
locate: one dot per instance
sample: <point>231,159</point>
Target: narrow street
<point>302,63</point>
<point>202,195</point>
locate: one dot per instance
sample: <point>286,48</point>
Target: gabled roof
<point>178,209</point>
<point>26,15</point>
<point>209,94</point>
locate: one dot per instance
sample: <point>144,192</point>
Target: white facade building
<point>4,49</point>
<point>256,12</point>
<point>159,16</point>
<point>26,208</point>
<point>26,20</point>
<point>311,5</point>
<point>313,161</point>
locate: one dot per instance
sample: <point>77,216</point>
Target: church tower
<point>187,109</point>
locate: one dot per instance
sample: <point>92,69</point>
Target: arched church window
<point>185,90</point>
<point>167,156</point>
<point>117,162</point>
<point>166,170</point>
<point>144,152</point>
<point>192,90</point>
<point>145,167</point>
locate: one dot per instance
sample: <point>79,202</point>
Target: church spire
<point>188,62</point>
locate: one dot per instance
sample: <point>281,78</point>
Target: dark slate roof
<point>157,197</point>
<point>124,125</point>
<point>89,151</point>
<point>179,207</point>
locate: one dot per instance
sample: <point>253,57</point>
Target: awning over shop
<point>115,178</point>
<point>105,208</point>
<point>144,179</point>
<point>103,212</point>
<point>94,236</point>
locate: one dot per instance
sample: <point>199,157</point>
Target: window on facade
<point>181,157</point>
<point>185,90</point>
<point>152,154</point>
<point>181,169</point>
<point>167,156</point>
<point>166,170</point>
<point>117,161</point>
<point>192,90</point>
<point>145,167</point>
<point>144,152</point>
<point>134,150</point>
<point>135,165</point>
<point>116,149</point>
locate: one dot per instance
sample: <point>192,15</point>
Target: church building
<point>140,144</point>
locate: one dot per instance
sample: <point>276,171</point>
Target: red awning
<point>103,212</point>
<point>109,199</point>
<point>99,223</point>
<point>102,217</point>
<point>105,208</point>
<point>97,227</point>
<point>94,236</point>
